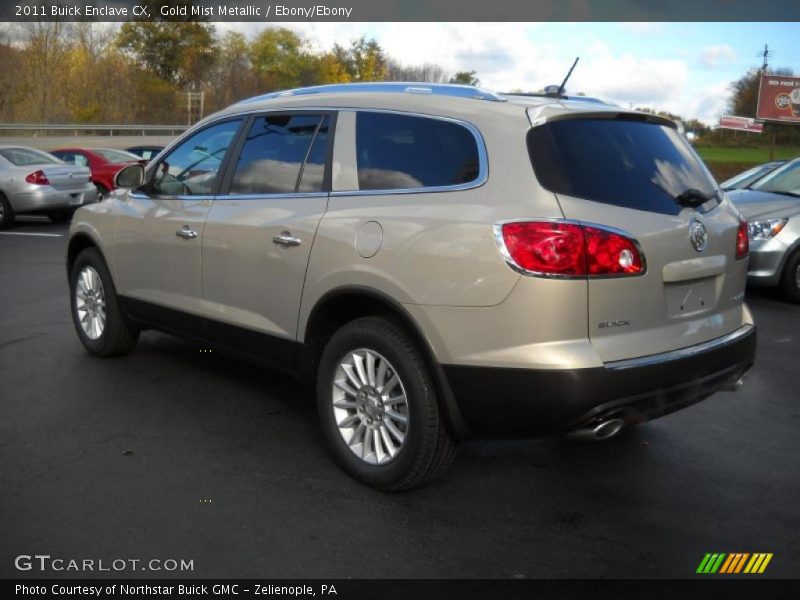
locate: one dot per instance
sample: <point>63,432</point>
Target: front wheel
<point>791,277</point>
<point>99,320</point>
<point>378,407</point>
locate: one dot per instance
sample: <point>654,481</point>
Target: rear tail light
<point>742,241</point>
<point>568,249</point>
<point>38,177</point>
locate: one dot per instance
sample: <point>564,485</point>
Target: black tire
<point>6,212</point>
<point>428,448</point>
<point>791,277</point>
<point>118,336</point>
<point>59,216</point>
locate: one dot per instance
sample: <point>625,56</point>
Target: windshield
<point>22,157</point>
<point>622,161</point>
<point>783,180</point>
<point>745,179</point>
<point>116,156</point>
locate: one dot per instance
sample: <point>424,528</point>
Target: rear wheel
<point>378,407</point>
<point>6,212</point>
<point>791,277</point>
<point>99,320</point>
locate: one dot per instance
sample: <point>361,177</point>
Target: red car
<point>103,163</point>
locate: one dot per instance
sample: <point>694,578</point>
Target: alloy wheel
<point>370,406</point>
<point>90,303</point>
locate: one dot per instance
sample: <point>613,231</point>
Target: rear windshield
<point>27,156</point>
<point>783,180</point>
<point>627,163</point>
<point>116,155</point>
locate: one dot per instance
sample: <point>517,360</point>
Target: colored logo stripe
<point>758,563</point>
<point>734,562</point>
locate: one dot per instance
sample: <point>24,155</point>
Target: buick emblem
<point>698,235</point>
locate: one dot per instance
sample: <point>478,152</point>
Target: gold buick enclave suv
<point>439,261</point>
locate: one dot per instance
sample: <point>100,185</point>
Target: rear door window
<point>396,151</point>
<point>623,162</point>
<point>274,152</point>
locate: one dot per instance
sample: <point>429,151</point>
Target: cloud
<point>511,56</point>
<point>628,79</point>
<point>711,56</point>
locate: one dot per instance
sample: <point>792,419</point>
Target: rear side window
<point>27,156</point>
<point>407,152</point>
<point>627,163</point>
<point>274,153</point>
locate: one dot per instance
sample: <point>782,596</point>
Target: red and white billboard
<point>779,98</point>
<point>740,123</point>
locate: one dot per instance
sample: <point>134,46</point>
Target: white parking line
<point>33,234</point>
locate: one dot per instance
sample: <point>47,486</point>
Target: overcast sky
<point>685,68</point>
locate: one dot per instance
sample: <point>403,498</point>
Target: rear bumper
<point>498,401</point>
<point>47,198</point>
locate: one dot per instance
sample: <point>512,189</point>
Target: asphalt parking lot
<point>173,452</point>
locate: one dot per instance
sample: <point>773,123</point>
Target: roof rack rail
<point>587,99</point>
<point>396,87</point>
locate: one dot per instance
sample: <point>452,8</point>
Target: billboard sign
<point>779,99</point>
<point>740,123</point>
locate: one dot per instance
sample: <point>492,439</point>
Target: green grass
<point>745,155</point>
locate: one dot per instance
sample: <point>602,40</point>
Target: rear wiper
<point>693,198</point>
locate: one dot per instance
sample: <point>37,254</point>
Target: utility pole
<point>765,56</point>
<point>764,65</point>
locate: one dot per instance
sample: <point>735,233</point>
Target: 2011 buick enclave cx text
<point>442,261</point>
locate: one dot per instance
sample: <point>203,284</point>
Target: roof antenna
<point>560,92</point>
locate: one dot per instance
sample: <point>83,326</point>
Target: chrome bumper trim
<point>655,359</point>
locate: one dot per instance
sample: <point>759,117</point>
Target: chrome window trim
<point>483,157</point>
<point>688,352</point>
<point>275,196</point>
<point>501,245</point>
<point>142,196</point>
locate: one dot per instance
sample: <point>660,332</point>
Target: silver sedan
<point>32,181</point>
<point>772,209</point>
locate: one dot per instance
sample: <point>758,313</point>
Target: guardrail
<point>85,127</point>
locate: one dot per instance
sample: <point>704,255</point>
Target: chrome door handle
<point>286,239</point>
<point>186,233</point>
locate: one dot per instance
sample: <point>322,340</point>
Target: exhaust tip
<point>608,429</point>
<point>602,431</point>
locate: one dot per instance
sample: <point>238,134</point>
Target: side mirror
<point>131,176</point>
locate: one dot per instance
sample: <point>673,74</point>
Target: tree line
<point>141,72</point>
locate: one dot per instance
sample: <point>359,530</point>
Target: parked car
<point>32,181</point>
<point>145,152</point>
<point>772,208</point>
<point>104,163</point>
<point>438,261</point>
<point>750,176</point>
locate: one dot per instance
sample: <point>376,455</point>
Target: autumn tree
<point>364,60</point>
<point>279,57</point>
<point>465,78</point>
<point>427,72</point>
<point>44,47</point>
<point>181,53</point>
